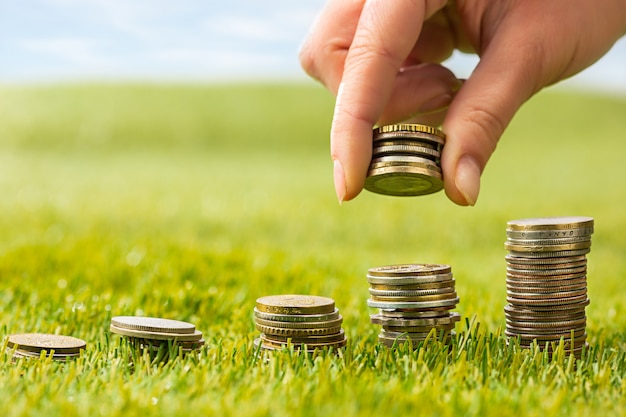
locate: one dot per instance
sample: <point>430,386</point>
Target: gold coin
<point>300,318</point>
<point>551,223</point>
<point>433,322</point>
<point>418,299</point>
<point>295,304</point>
<point>411,293</point>
<point>295,333</point>
<point>37,342</point>
<point>418,329</point>
<point>403,181</point>
<point>546,248</point>
<point>313,339</point>
<point>409,314</point>
<point>426,286</point>
<point>409,270</point>
<point>300,325</point>
<point>409,127</point>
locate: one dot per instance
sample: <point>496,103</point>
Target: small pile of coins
<point>157,334</point>
<point>303,321</point>
<point>406,160</point>
<point>57,347</point>
<point>413,299</point>
<point>546,281</point>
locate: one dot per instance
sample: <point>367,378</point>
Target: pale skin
<point>382,60</point>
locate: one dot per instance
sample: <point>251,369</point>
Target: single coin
<point>547,272</point>
<point>547,295</point>
<point>546,248</point>
<point>19,354</point>
<point>545,330</point>
<point>388,321</point>
<point>407,141</point>
<point>408,149</point>
<point>287,332</point>
<point>548,267</point>
<point>443,279</point>
<point>37,342</point>
<point>544,320</point>
<point>409,270</point>
<point>545,290</point>
<point>418,329</point>
<point>299,318</point>
<point>547,302</point>
<point>434,312</point>
<point>541,242</point>
<point>385,334</point>
<point>310,346</point>
<point>313,339</point>
<point>430,167</point>
<point>295,304</point>
<point>551,223</point>
<point>388,305</point>
<point>417,299</point>
<point>416,137</point>
<point>544,282</point>
<point>403,181</point>
<point>557,254</point>
<point>409,127</point>
<point>182,337</point>
<point>548,234</point>
<point>411,293</point>
<point>300,325</point>
<point>547,325</point>
<point>555,336</point>
<point>539,278</point>
<point>402,158</point>
<point>421,286</point>
<point>517,310</point>
<point>544,262</point>
<point>153,324</point>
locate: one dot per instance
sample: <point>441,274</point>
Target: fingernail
<point>467,179</point>
<point>340,180</point>
<point>435,104</point>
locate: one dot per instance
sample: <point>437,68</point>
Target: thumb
<point>503,80</point>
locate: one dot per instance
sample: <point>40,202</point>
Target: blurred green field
<point>190,201</point>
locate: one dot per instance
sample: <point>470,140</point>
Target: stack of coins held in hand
<point>303,321</point>
<point>32,345</point>
<point>546,281</point>
<point>406,160</point>
<point>157,334</point>
<point>413,299</point>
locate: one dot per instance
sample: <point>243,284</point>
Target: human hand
<point>381,58</point>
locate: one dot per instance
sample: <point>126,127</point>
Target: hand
<point>382,59</point>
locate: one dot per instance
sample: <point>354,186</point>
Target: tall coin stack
<point>413,299</point>
<point>546,281</point>
<point>406,160</point>
<point>303,321</point>
<point>157,335</point>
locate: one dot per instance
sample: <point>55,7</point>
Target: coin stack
<point>306,322</point>
<point>406,160</point>
<point>57,347</point>
<point>413,300</point>
<point>546,281</point>
<point>157,334</point>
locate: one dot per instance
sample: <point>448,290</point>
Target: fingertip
<point>465,187</point>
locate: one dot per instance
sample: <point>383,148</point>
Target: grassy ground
<point>189,202</point>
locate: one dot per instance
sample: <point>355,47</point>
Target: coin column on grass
<point>413,300</point>
<point>157,334</point>
<point>406,160</point>
<point>303,321</point>
<point>57,347</point>
<point>546,281</point>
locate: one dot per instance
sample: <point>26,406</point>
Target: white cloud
<point>75,51</point>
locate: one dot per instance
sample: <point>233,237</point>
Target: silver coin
<point>409,270</point>
<point>555,254</point>
<point>410,293</point>
<point>414,136</point>
<point>411,280</point>
<point>300,325</point>
<point>404,159</point>
<point>543,242</point>
<point>388,321</point>
<point>296,318</point>
<point>409,314</point>
<point>388,305</point>
<point>183,337</point>
<point>395,149</point>
<point>544,267</point>
<point>540,262</point>
<point>547,272</point>
<point>551,223</point>
<point>549,234</point>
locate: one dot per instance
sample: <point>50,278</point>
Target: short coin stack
<point>406,160</point>
<point>413,299</point>
<point>155,334</point>
<point>32,345</point>
<point>303,321</point>
<point>546,281</point>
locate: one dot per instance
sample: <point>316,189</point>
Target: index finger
<point>384,37</point>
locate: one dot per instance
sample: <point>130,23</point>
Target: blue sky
<point>61,40</point>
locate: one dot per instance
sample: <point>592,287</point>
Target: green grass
<point>189,202</point>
